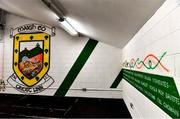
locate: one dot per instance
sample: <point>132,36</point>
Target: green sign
<point>161,90</point>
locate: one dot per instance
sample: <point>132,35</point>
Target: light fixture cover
<point>67,27</point>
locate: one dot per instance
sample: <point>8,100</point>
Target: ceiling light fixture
<point>57,8</point>
<point>67,26</point>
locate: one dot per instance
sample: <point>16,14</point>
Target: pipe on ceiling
<point>55,6</point>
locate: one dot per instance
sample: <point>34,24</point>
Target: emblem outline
<point>31,40</point>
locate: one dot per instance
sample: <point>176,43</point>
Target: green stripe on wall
<point>117,80</point>
<point>76,68</point>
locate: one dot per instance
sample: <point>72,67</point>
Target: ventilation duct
<point>55,6</point>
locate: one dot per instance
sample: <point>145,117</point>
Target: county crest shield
<point>31,57</point>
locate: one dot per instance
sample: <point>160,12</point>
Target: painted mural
<point>31,58</point>
<point>150,62</point>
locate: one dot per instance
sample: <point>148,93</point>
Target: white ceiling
<point>113,22</point>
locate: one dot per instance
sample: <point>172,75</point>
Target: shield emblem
<point>31,57</point>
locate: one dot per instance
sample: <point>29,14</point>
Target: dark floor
<point>61,107</point>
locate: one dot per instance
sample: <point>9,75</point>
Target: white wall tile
<point>160,34</point>
<point>98,73</point>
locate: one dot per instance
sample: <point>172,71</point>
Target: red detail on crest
<point>31,67</point>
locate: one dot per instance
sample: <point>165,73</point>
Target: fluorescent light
<point>67,27</point>
<point>78,25</point>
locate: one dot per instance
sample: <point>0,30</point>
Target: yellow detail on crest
<point>31,37</point>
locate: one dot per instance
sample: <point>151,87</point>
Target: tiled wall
<point>160,34</point>
<point>97,75</point>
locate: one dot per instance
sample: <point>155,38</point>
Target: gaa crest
<point>31,58</point>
